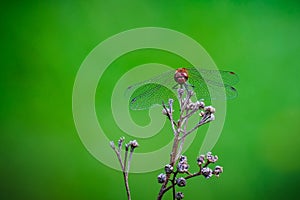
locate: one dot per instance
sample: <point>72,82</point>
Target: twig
<point>173,184</point>
<point>182,141</point>
<point>125,166</point>
<point>204,120</point>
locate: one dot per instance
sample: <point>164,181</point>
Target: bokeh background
<point>43,44</point>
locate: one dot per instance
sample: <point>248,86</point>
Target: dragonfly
<point>147,94</point>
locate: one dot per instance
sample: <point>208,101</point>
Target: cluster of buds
<point>207,172</point>
<point>207,114</point>
<point>182,167</point>
<point>120,143</point>
<point>198,105</point>
<point>125,164</point>
<point>206,160</point>
<point>203,162</point>
<point>161,178</point>
<point>132,144</point>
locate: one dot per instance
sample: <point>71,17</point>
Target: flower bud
<point>168,169</point>
<point>161,178</point>
<point>120,142</point>
<point>211,158</point>
<point>206,172</point>
<point>179,196</point>
<point>182,158</point>
<point>217,171</point>
<point>201,160</point>
<point>182,167</point>
<point>210,109</point>
<point>134,144</point>
<point>112,144</point>
<point>201,104</point>
<point>181,182</point>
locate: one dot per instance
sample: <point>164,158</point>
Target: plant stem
<point>125,175</point>
<point>173,184</point>
<point>124,168</point>
<point>172,162</point>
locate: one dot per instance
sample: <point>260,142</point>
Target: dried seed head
<point>201,104</point>
<point>127,146</point>
<point>206,172</point>
<point>182,158</point>
<point>182,166</point>
<point>217,171</point>
<point>161,178</point>
<point>181,182</point>
<point>210,109</point>
<point>201,160</point>
<point>120,142</point>
<point>133,144</point>
<point>197,105</point>
<point>179,196</point>
<point>168,169</point>
<point>211,158</point>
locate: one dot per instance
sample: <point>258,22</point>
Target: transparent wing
<point>149,95</point>
<point>228,77</point>
<point>151,92</point>
<point>213,83</point>
<point>166,79</point>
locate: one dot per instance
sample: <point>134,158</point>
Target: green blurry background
<point>44,43</point>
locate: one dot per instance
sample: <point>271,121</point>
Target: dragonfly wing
<point>228,77</point>
<point>149,95</point>
<point>166,79</point>
<point>213,83</point>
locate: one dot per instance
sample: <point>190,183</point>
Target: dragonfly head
<point>181,75</point>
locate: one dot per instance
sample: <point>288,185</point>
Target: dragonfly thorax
<point>181,75</point>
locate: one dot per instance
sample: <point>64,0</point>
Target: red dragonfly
<point>153,91</point>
